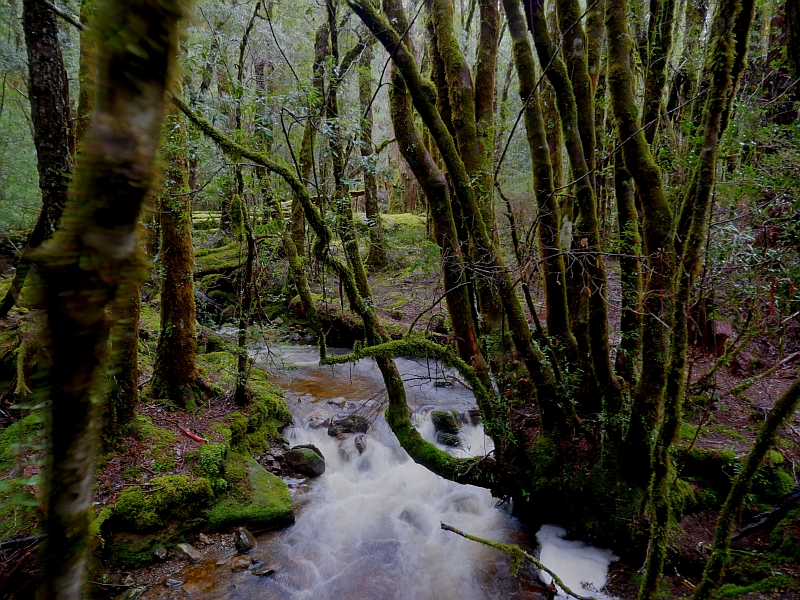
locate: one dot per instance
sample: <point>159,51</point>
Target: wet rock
<point>338,401</point>
<point>295,337</point>
<point>128,580</point>
<point>243,540</point>
<point>132,593</point>
<point>474,415</point>
<point>446,421</point>
<point>448,439</point>
<point>306,461</point>
<point>264,571</point>
<point>348,424</point>
<point>361,443</point>
<point>240,563</point>
<point>202,537</point>
<point>161,554</point>
<point>318,418</point>
<point>173,582</point>
<point>189,552</point>
<point>277,453</point>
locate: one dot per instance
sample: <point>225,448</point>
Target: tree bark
<point>87,264</point>
<point>47,89</point>
<point>175,371</point>
<point>377,255</point>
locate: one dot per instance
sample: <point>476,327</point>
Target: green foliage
<point>780,583</point>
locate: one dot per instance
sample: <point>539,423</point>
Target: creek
<point>368,528</point>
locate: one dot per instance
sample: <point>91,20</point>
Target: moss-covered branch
<point>516,556</point>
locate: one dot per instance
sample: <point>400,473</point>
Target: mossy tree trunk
<point>557,315</point>
<point>89,261</point>
<point>659,44</point>
<point>47,94</point>
<point>720,66</point>
<point>577,138</point>
<point>175,371</point>
<point>434,184</point>
<point>657,227</point>
<point>377,255</point>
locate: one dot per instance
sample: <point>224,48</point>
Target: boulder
<point>243,540</point>
<point>446,421</point>
<point>189,552</point>
<point>305,461</point>
<point>348,424</point>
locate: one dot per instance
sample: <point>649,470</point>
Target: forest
<point>400,299</point>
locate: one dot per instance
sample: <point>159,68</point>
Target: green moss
<point>219,367</point>
<point>24,431</point>
<point>780,583</point>
<point>269,507</point>
<point>785,538</point>
<point>172,498</point>
<point>212,459</point>
<point>727,431</point>
<point>217,260</point>
<point>149,322</point>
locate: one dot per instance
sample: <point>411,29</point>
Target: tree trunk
<point>47,87</point>
<point>376,257</point>
<point>121,401</point>
<point>175,372</point>
<point>92,257</point>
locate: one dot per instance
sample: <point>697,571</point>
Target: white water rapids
<point>369,527</point>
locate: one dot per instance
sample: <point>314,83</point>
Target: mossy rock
<point>269,507</point>
<point>785,538</point>
<point>218,260</point>
<point>348,424</point>
<point>167,499</point>
<point>446,421</point>
<point>448,439</point>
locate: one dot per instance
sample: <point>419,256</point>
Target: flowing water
<point>369,527</point>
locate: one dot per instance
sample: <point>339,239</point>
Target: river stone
<point>361,443</point>
<point>173,582</point>
<point>161,554</point>
<point>305,461</point>
<point>348,424</point>
<point>264,571</point>
<point>338,401</point>
<point>240,563</point>
<point>204,539</point>
<point>446,421</point>
<point>474,415</point>
<point>448,439</point>
<point>189,552</point>
<point>243,540</point>
<point>318,418</point>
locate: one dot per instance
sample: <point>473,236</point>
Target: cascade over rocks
<point>306,460</point>
<point>343,423</point>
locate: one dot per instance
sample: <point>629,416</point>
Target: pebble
<point>190,552</point>
<point>240,563</point>
<point>174,582</point>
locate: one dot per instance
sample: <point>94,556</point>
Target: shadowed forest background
<point>586,215</point>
